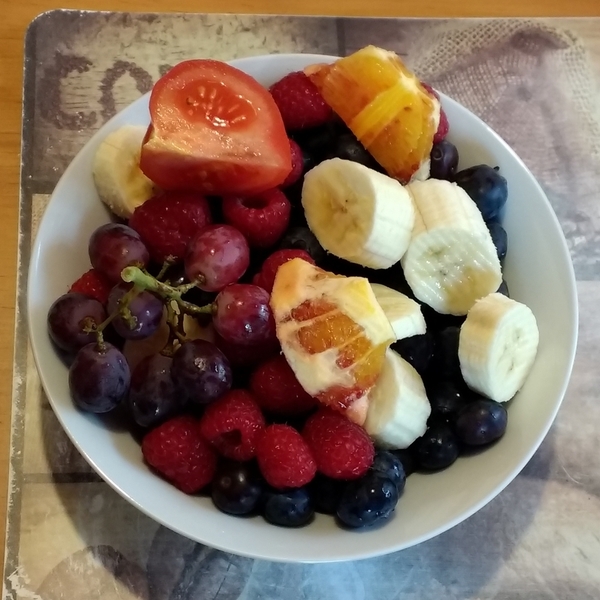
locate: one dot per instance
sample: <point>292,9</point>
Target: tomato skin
<point>215,130</point>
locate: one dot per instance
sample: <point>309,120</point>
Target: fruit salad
<point>299,300</point>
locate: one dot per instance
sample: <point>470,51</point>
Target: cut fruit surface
<point>333,334</point>
<point>385,106</point>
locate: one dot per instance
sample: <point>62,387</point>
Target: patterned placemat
<point>536,83</point>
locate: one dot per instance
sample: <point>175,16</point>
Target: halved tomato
<point>216,130</point>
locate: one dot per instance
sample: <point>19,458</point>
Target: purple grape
<point>113,247</point>
<point>201,372</point>
<point>152,396</point>
<point>243,315</point>
<point>99,378</point>
<point>146,309</point>
<point>217,256</point>
<point>68,317</point>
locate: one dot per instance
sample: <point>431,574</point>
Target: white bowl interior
<point>538,271</point>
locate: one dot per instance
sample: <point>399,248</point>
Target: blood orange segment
<point>333,334</point>
<point>384,105</point>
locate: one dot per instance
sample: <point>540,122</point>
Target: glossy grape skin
<point>386,464</point>
<point>67,319</point>
<point>288,508</point>
<point>481,422</point>
<point>113,247</point>
<point>145,308</point>
<point>99,378</point>
<point>201,372</point>
<point>243,315</point>
<point>367,501</point>
<point>236,488</point>
<point>152,395</point>
<point>438,448</point>
<point>444,160</point>
<point>217,256</point>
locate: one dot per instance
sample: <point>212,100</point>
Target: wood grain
<point>17,16</point>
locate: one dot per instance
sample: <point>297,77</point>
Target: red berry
<point>178,452</point>
<point>263,219</point>
<point>300,102</point>
<point>232,424</point>
<point>284,459</point>
<point>297,165</point>
<point>167,222</point>
<point>342,449</point>
<point>277,390</point>
<point>444,126</point>
<point>94,285</point>
<point>247,355</point>
<point>265,278</point>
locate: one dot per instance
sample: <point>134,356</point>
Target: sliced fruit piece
<point>358,214</point>
<point>451,260</point>
<point>214,130</point>
<point>398,405</point>
<point>333,334</point>
<point>385,106</point>
<point>403,313</point>
<point>116,170</point>
<point>497,346</point>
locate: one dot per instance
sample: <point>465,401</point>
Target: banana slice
<point>119,180</point>
<point>403,313</point>
<point>398,405</point>
<point>358,214</point>
<point>451,260</point>
<point>497,346</point>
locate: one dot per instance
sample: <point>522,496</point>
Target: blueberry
<point>438,448</point>
<point>499,238</point>
<point>236,488</point>
<point>289,508</point>
<point>416,350</point>
<point>326,493</point>
<point>302,238</point>
<point>318,142</point>
<point>348,147</point>
<point>445,364</point>
<point>367,501</point>
<point>481,422</point>
<point>447,398</point>
<point>503,289</point>
<point>407,458</point>
<point>487,188</point>
<point>390,466</point>
<point>444,160</point>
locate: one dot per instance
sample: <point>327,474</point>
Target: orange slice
<point>333,334</point>
<point>385,106</point>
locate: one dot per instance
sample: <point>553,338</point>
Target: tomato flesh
<point>216,130</point>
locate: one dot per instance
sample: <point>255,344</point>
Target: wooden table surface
<point>16,17</point>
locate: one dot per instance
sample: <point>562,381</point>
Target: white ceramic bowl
<point>538,271</point>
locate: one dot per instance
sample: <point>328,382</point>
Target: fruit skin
<point>438,448</point>
<point>236,488</point>
<point>481,423</point>
<point>416,350</point>
<point>348,147</point>
<point>367,501</point>
<point>447,398</point>
<point>288,508</point>
<point>300,102</point>
<point>233,424</point>
<point>499,237</point>
<point>94,285</point>
<point>262,219</point>
<point>189,144</point>
<point>247,355</point>
<point>298,165</point>
<point>342,449</point>
<point>277,390</point>
<point>326,493</point>
<point>486,187</point>
<point>443,126</point>
<point>145,308</point>
<point>67,318</point>
<point>284,458</point>
<point>168,221</point>
<point>388,465</point>
<point>444,160</point>
<point>265,278</point>
<point>302,238</point>
<point>177,451</point>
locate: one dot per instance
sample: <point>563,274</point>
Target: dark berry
<point>444,160</point>
<point>487,188</point>
<point>445,364</point>
<point>499,238</point>
<point>390,466</point>
<point>298,166</point>
<point>416,350</point>
<point>437,321</point>
<point>447,398</point>
<point>317,142</point>
<point>438,448</point>
<point>94,285</point>
<point>265,278</point>
<point>237,488</point>
<point>407,458</point>
<point>302,238</point>
<point>290,508</point>
<point>326,493</point>
<point>347,147</point>
<point>503,289</point>
<point>481,422</point>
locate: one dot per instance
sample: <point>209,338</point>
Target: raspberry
<point>277,390</point>
<point>342,449</point>
<point>232,424</point>
<point>167,223</point>
<point>444,126</point>
<point>178,452</point>
<point>265,278</point>
<point>263,219</point>
<point>284,459</point>
<point>94,285</point>
<point>300,102</point>
<point>297,165</point>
